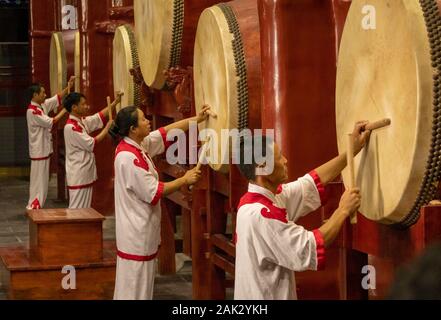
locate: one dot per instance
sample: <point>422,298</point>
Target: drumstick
<point>109,106</point>
<point>378,124</point>
<point>350,158</point>
<point>202,155</point>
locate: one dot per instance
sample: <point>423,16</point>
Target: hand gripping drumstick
<point>350,158</point>
<point>378,124</point>
<point>350,154</point>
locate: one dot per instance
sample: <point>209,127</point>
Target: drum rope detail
<point>241,69</point>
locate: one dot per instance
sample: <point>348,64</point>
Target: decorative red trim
<point>139,161</point>
<point>42,158</point>
<point>134,257</point>
<point>85,186</point>
<point>75,124</point>
<point>270,211</point>
<point>158,194</point>
<point>35,205</point>
<point>36,111</point>
<point>59,100</point>
<point>163,133</point>
<point>320,187</point>
<point>320,245</point>
<point>103,118</point>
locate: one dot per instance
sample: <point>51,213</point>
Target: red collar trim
<point>75,124</point>
<point>270,211</point>
<point>36,110</point>
<point>139,161</point>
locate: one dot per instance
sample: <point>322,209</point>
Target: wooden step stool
<point>60,238</point>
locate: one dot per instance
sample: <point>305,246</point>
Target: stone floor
<point>14,232</point>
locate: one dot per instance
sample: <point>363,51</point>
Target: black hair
<point>248,149</point>
<point>34,88</point>
<point>125,119</point>
<point>72,99</point>
<point>420,280</point>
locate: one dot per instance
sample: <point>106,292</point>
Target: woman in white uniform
<point>137,199</point>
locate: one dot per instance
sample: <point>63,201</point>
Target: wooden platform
<point>60,238</point>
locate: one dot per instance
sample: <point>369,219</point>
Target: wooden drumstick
<point>350,159</point>
<point>202,155</point>
<point>109,106</point>
<point>378,124</point>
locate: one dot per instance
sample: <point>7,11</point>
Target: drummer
<point>80,159</point>
<point>138,192</point>
<point>269,245</point>
<point>40,139</point>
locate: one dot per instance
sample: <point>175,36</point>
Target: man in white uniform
<point>80,158</point>
<point>270,246</point>
<point>40,126</point>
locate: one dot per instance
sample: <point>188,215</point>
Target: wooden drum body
<point>64,60</point>
<point>125,59</point>
<point>227,72</point>
<point>391,71</point>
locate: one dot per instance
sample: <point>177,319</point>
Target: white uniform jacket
<point>270,246</point>
<point>39,128</point>
<point>137,197</point>
<point>80,159</point>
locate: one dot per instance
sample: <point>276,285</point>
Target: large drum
<point>165,31</point>
<point>389,68</point>
<point>64,60</point>
<point>227,71</point>
<point>125,58</point>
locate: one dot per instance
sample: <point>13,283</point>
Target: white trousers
<point>134,280</point>
<point>39,182</point>
<point>80,198</point>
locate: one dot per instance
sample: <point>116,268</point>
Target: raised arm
<point>184,125</point>
<point>332,169</point>
<point>68,89</point>
<point>105,111</point>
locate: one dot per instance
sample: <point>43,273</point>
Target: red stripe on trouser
<point>133,257</point>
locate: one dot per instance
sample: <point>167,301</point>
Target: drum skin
<point>125,58</point>
<point>224,79</point>
<point>171,42</point>
<point>381,76</point>
<point>64,60</point>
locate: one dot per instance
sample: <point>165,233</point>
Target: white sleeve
<point>43,120</point>
<point>95,122</point>
<point>52,104</point>
<point>140,180</point>
<point>303,196</point>
<point>79,139</point>
<point>156,142</point>
<point>287,244</point>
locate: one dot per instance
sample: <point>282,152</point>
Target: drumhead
<point>220,77</point>
<point>386,72</point>
<point>125,58</point>
<point>158,30</point>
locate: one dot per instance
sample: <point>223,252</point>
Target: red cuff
<point>103,118</point>
<point>167,144</point>
<point>320,246</point>
<point>59,100</point>
<point>158,194</point>
<point>320,187</point>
